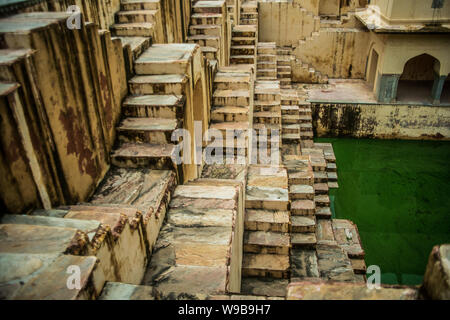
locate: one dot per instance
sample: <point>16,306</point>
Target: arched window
<point>416,82</point>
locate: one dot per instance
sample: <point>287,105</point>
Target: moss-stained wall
<point>381,121</point>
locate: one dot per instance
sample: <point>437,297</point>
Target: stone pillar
<point>438,85</point>
<point>387,88</point>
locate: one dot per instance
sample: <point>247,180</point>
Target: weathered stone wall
<point>100,12</point>
<point>285,23</point>
<point>381,121</point>
<point>72,83</point>
<point>337,53</point>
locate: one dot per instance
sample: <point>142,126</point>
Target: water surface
<point>397,192</point>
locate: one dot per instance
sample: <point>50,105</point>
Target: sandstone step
<point>301,192</point>
<point>291,129</point>
<point>206,18</point>
<point>321,188</point>
<point>203,6</point>
<point>264,287</point>
<point>261,64</point>
<point>137,44</point>
<point>332,176</point>
<point>347,236</point>
<point>90,228</point>
<point>334,263</point>
<point>205,29</point>
<point>204,40</point>
<point>267,129</point>
<point>229,114</point>
<point>305,111</point>
<point>322,200</point>
<point>124,291</point>
<point>199,248</point>
<point>144,190</point>
<point>333,185</point>
<point>244,31</point>
<point>331,167</point>
<point>128,5</point>
<point>303,240</point>
<point>147,130</point>
<point>324,232</point>
<point>158,84</point>
<point>231,97</point>
<point>290,110</point>
<point>303,207</point>
<point>172,58</point>
<point>308,136</point>
<point>303,264</point>
<point>266,242</point>
<point>359,266</point>
<point>290,119</point>
<point>259,197</point>
<point>266,220</point>
<point>265,265</point>
<point>24,238</point>
<point>153,106</point>
<point>305,126</point>
<point>239,128</point>
<point>306,119</point>
<point>210,53</point>
<point>242,59</point>
<point>262,105</point>
<point>249,15</point>
<point>139,155</point>
<point>266,73</point>
<point>320,177</point>
<point>323,290</point>
<point>290,138</point>
<point>303,224</point>
<point>236,41</point>
<point>249,21</point>
<point>133,29</point>
<point>272,117</point>
<point>232,81</point>
<point>32,276</point>
<point>323,212</point>
<point>241,50</point>
<point>301,177</point>
<point>136,16</point>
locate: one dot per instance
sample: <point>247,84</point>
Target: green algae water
<point>397,192</point>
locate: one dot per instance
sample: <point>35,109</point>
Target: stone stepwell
<point>153,229</point>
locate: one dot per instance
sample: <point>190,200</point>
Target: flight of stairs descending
<point>249,12</point>
<point>154,109</point>
<point>209,29</point>
<point>265,267</point>
<point>199,249</point>
<point>243,44</point>
<point>232,109</point>
<point>267,61</point>
<point>139,18</point>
